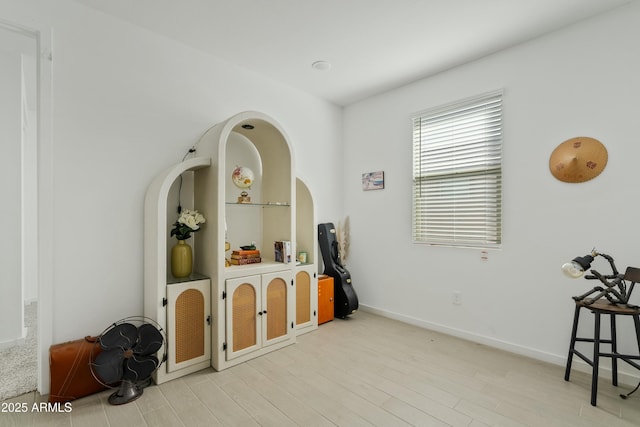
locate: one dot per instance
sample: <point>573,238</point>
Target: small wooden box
<point>325,299</point>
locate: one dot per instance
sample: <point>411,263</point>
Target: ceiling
<point>372,45</point>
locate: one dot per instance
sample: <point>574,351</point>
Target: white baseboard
<point>12,343</point>
<point>20,340</point>
<point>560,360</point>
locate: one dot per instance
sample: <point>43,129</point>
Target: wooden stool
<point>603,306</point>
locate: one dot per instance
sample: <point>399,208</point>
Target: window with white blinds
<point>457,173</point>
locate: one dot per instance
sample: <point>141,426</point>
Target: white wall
<point>30,207</point>
<point>11,307</point>
<point>30,173</point>
<point>580,81</point>
<point>126,104</point>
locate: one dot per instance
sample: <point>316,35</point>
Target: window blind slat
<point>457,172</point>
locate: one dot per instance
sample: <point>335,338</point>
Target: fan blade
<point>140,368</point>
<point>149,341</point>
<point>122,336</point>
<point>108,365</point>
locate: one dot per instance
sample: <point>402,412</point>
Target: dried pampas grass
<point>343,240</point>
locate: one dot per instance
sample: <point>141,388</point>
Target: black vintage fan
<point>128,357</point>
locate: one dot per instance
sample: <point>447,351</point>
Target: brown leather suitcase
<point>70,373</point>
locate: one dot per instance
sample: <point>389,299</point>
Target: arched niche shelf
<point>306,231</point>
<point>255,140</point>
<point>158,283</point>
<point>270,215</point>
<point>306,270</point>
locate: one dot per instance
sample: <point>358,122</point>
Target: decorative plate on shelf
<point>242,177</point>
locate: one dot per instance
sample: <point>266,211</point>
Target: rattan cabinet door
<point>303,298</point>
<point>188,320</point>
<point>278,307</point>
<point>244,314</point>
<point>306,284</point>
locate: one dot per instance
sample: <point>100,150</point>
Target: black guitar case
<point>345,300</point>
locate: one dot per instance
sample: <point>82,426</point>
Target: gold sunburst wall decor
<point>578,159</point>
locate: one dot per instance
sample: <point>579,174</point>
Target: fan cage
<point>140,320</point>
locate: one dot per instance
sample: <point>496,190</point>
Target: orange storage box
<point>325,298</point>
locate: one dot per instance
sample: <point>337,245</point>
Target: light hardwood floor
<point>364,371</point>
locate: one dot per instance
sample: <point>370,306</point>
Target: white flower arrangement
<point>188,222</point>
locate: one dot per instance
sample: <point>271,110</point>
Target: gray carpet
<point>19,364</point>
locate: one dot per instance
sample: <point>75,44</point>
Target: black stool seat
<point>599,307</point>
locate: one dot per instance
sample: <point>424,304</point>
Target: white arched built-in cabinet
<point>165,296</point>
<point>306,279</point>
<point>249,310</point>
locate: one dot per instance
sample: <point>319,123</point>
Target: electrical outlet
<point>457,298</point>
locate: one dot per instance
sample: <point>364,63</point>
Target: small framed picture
<point>373,181</point>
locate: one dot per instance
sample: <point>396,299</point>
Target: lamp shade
<point>577,266</point>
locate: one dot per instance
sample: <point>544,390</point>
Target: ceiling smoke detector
<point>321,65</point>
